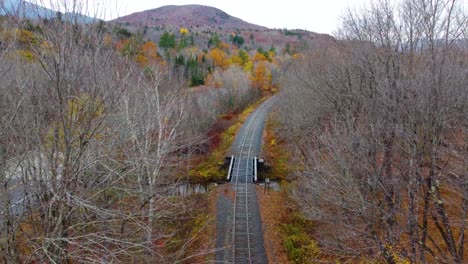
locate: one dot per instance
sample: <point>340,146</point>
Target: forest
<point>378,127</point>
<point>100,125</point>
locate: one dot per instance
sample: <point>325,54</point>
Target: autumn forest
<point>115,136</point>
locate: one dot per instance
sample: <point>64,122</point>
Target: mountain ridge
<point>33,11</point>
<point>186,15</point>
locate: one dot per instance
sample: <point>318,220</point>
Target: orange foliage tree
<point>147,54</point>
<point>261,78</point>
<point>144,54</point>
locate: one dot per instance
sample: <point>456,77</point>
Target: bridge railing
<point>231,163</point>
<point>255,170</point>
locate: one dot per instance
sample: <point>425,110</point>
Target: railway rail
<point>243,245</point>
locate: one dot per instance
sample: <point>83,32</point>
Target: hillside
<point>186,16</point>
<point>32,11</point>
<point>204,21</point>
<point>24,9</point>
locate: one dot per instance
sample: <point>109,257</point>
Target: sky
<point>321,16</point>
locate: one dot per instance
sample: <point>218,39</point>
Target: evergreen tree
<point>197,74</point>
<point>238,40</point>
<point>244,56</point>
<point>167,41</point>
<point>272,49</point>
<point>214,41</point>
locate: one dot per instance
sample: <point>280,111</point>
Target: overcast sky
<point>320,16</point>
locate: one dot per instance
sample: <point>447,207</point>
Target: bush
<point>299,245</point>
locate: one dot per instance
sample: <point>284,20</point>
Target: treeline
<point>378,124</point>
<point>187,62</point>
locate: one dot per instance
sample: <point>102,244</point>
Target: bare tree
<point>383,168</point>
<point>90,147</point>
<point>153,114</point>
<point>11,104</point>
<point>236,90</point>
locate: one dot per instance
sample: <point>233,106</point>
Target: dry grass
<point>272,209</point>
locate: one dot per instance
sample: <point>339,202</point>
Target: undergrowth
<point>295,230</point>
<point>275,152</point>
<point>297,239</point>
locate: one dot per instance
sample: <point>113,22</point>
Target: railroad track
<point>243,244</point>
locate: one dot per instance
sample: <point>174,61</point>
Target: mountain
<point>29,10</point>
<point>203,22</point>
<point>24,9</point>
<point>186,16</point>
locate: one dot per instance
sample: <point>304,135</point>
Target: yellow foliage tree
<point>183,31</point>
<point>237,60</point>
<point>248,67</point>
<point>81,112</point>
<point>26,37</point>
<point>26,55</point>
<point>271,54</point>
<point>259,57</point>
<point>219,58</point>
